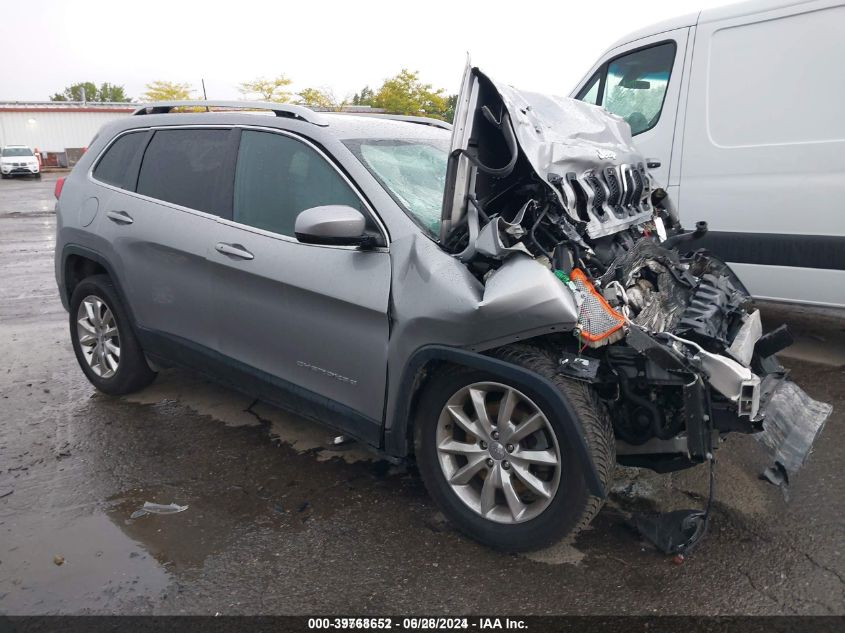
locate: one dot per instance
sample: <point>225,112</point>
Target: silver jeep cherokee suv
<point>514,305</point>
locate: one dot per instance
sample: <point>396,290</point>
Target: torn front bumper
<point>791,424</point>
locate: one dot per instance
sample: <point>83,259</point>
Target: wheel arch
<point>79,262</point>
<point>398,438</point>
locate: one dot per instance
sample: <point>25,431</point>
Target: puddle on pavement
<point>634,489</point>
<point>120,559</point>
<point>183,540</point>
<point>101,567</point>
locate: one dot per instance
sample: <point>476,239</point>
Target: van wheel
<point>103,340</point>
<point>495,458</point>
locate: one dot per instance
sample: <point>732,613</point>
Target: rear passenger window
<point>277,177</point>
<point>113,168</point>
<point>184,167</point>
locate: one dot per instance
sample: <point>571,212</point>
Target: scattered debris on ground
<point>157,508</point>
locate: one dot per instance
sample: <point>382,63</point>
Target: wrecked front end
<point>549,205</point>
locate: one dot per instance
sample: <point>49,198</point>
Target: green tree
<point>318,98</point>
<point>112,92</point>
<point>167,91</point>
<point>106,92</point>
<point>363,98</point>
<point>451,103</point>
<point>406,94</point>
<point>74,92</point>
<point>267,89</point>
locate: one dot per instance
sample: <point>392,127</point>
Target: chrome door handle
<point>652,163</point>
<point>121,217</point>
<point>235,250</point>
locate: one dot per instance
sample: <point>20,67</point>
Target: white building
<point>60,130</point>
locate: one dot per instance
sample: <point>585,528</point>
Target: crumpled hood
<point>583,153</point>
<point>559,133</point>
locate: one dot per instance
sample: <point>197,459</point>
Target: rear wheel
<point>103,340</point>
<point>495,457</point>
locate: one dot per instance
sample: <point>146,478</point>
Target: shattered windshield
<point>17,151</point>
<point>412,171</point>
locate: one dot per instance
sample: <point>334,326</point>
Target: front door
<point>314,317</point>
<point>641,82</point>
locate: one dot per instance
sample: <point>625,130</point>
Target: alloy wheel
<point>498,452</point>
<point>99,339</point>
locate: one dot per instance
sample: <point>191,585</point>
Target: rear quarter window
<point>114,166</point>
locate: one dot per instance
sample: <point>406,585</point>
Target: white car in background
<point>18,160</point>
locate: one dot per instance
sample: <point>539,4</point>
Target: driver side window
<point>633,85</point>
<point>277,177</point>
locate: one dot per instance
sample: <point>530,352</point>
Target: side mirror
<point>334,224</point>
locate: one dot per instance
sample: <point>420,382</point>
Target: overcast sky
<point>344,45</point>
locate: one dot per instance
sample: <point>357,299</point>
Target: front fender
<point>396,440</point>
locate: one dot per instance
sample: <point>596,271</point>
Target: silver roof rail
<point>422,120</point>
<point>280,109</point>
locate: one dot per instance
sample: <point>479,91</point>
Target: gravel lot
<point>276,523</point>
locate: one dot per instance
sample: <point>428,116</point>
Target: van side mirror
<point>334,224</point>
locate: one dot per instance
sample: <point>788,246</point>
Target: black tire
<point>38,176</point>
<point>572,507</point>
<point>133,373</point>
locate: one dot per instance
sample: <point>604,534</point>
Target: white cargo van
<point>740,111</point>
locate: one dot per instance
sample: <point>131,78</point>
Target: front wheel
<point>103,340</point>
<point>494,455</point>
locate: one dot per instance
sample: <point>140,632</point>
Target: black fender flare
<point>95,256</point>
<point>396,437</point>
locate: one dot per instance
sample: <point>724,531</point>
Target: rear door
<point>312,317</point>
<point>640,82</point>
<point>158,222</point>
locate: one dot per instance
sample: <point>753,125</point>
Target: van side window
<point>633,86</point>
<point>184,167</point>
<point>113,168</point>
<point>278,177</point>
<point>590,92</point>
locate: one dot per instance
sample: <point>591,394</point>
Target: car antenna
<point>204,96</point>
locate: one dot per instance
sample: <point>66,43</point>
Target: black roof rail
<point>279,109</point>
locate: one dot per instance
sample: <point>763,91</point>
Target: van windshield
<point>17,151</point>
<point>412,171</point>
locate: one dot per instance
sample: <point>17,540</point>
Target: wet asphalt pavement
<point>276,523</point>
